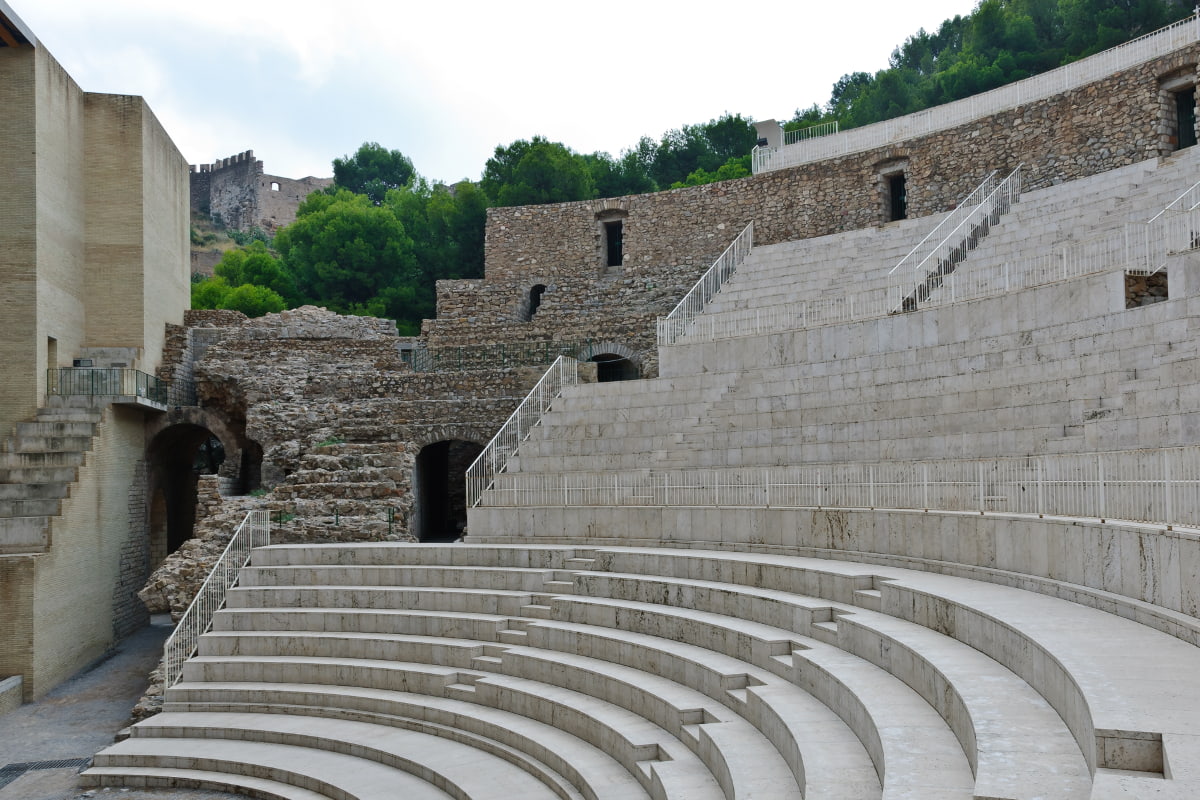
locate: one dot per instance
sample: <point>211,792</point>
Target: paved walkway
<point>44,745</point>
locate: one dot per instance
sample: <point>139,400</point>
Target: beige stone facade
<point>93,263</point>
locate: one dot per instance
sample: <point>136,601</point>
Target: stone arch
<point>439,480</point>
<point>174,442</point>
<point>615,361</point>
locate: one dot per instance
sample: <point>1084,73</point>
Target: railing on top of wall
<point>255,531</point>
<point>811,132</point>
<point>677,323</point>
<point>923,270</point>
<point>1158,486</point>
<point>562,373</point>
<point>1056,81</point>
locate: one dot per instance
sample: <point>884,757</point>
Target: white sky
<point>302,82</point>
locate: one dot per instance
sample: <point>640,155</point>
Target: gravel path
<point>44,745</point>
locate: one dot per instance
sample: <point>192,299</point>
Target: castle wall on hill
<point>668,239</point>
<point>241,196</point>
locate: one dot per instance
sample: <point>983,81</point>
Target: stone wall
<point>670,238</point>
<point>237,192</point>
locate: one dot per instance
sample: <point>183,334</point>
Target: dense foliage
<point>1000,42</point>
<point>379,239</point>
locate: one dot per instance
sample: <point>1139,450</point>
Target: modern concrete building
<point>93,264</point>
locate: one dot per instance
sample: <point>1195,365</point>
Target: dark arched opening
<point>439,489</point>
<point>535,300</point>
<point>178,456</point>
<point>614,367</point>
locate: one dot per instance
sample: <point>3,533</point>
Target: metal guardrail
<point>1138,248</point>
<point>943,117</point>
<point>107,381</point>
<point>924,248</point>
<point>677,323</point>
<point>1160,486</point>
<point>926,266</point>
<point>255,531</point>
<point>1175,229</point>
<point>811,132</point>
<point>503,446</point>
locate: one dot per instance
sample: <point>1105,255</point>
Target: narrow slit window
<point>614,246</point>
<point>897,197</point>
<point>1185,116</point>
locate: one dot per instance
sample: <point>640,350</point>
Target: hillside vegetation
<point>377,240</point>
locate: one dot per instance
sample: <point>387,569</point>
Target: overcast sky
<point>301,82</point>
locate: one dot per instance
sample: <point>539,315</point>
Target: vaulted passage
<point>614,367</point>
<point>439,489</point>
<point>177,457</point>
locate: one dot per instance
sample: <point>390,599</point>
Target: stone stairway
<point>489,671</point>
<point>344,492</point>
<point>38,464</point>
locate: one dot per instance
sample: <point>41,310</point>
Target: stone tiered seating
<point>618,672</point>
<point>859,262</point>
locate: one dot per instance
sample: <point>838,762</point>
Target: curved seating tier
<point>497,671</point>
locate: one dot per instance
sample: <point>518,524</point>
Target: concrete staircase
<point>38,464</point>
<point>609,672</point>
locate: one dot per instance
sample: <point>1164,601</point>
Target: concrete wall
<point>93,254</point>
<point>74,611</point>
<point>166,268</point>
<point>18,247</point>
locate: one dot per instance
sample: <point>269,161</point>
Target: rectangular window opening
<point>897,197</point>
<point>1185,115</point>
<point>613,243</point>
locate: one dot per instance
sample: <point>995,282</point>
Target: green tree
<point>253,301</point>
<point>534,172</point>
<point>616,177</point>
<point>209,293</point>
<point>343,251</point>
<point>373,170</point>
<point>256,265</point>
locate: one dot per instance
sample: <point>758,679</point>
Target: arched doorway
<point>178,456</point>
<point>614,367</point>
<point>439,489</point>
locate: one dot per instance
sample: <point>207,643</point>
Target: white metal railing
<point>503,446</point>
<point>959,112</point>
<point>255,531</point>
<point>1175,229</point>
<point>1160,486</point>
<point>811,132</point>
<point>922,249</point>
<point>675,324</point>
<point>925,267</point>
<point>1137,247</point>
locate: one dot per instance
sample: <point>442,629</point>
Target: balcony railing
<point>107,382</point>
